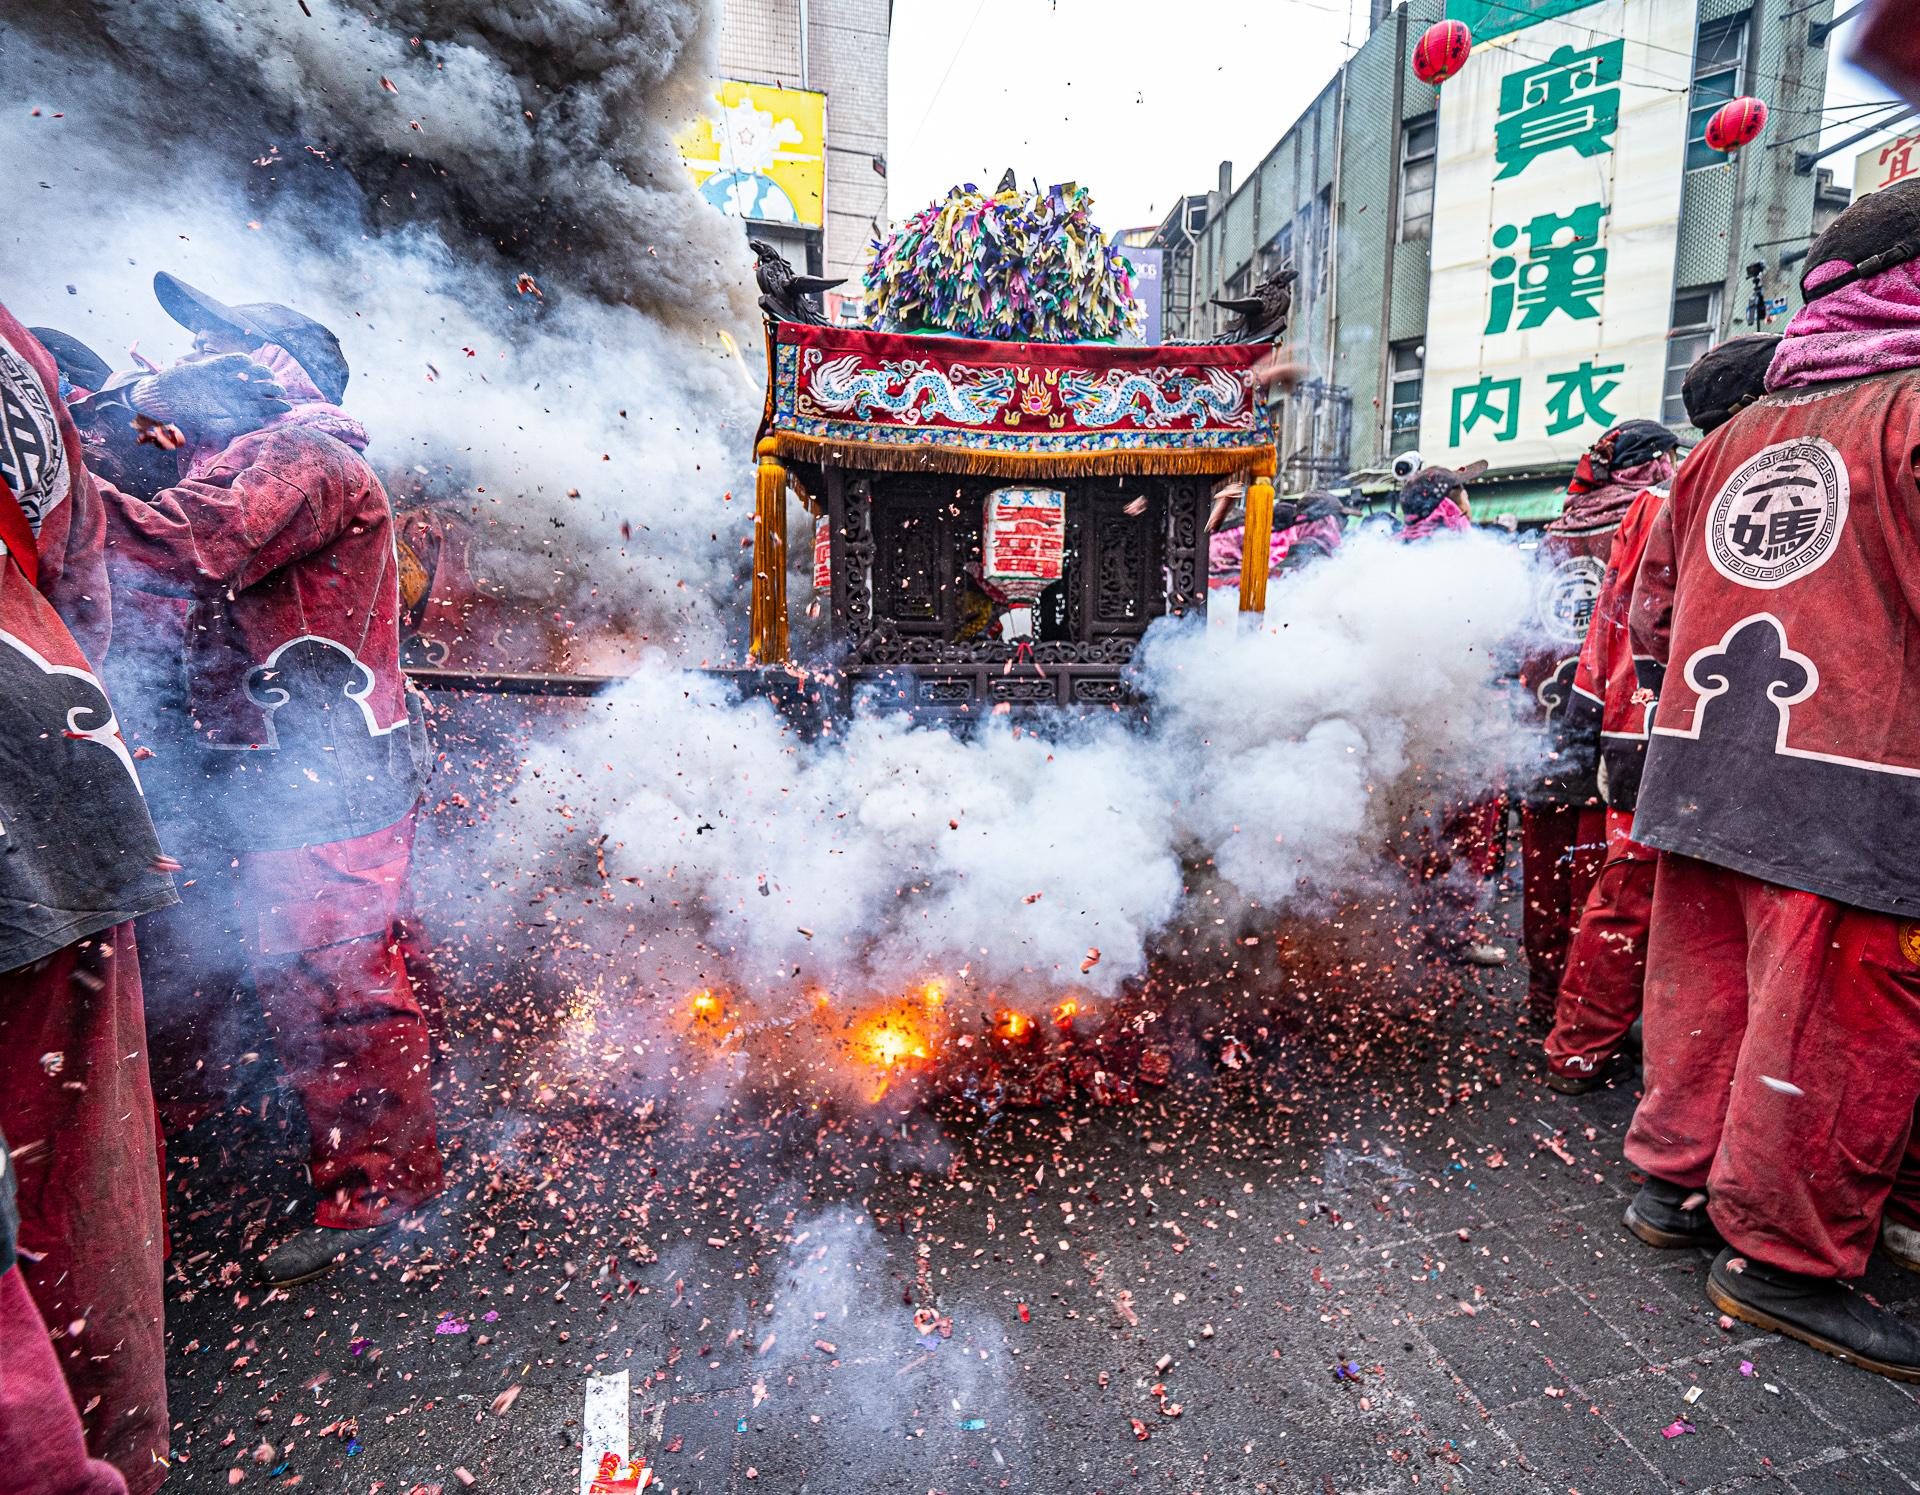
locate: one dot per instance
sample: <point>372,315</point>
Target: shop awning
<point>1529,503</point>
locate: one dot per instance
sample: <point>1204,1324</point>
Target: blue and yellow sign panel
<point>760,153</point>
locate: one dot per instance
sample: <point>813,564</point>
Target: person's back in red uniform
<point>288,757</point>
<point>1781,786</point>
<point>1607,722</point>
<point>80,863</point>
<point>1562,821</point>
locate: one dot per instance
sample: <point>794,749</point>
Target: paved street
<point>1282,1279</point>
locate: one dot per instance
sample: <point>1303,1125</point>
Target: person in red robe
<point>81,863</point>
<point>288,756</point>
<point>1562,821</point>
<point>1606,725</point>
<point>1781,788</point>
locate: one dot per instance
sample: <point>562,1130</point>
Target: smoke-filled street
<point>1289,1278</point>
<point>821,745</point>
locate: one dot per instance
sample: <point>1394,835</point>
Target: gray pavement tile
<point>1511,1353</point>
<point>1855,1475</point>
<point>1570,1447</point>
<point>1860,1404</point>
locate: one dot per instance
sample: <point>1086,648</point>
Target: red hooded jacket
<point>1787,739</point>
<point>77,848</point>
<point>1612,694</point>
<point>267,676</point>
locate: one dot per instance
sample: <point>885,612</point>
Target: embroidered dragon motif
<point>911,390</point>
<point>1156,400</point>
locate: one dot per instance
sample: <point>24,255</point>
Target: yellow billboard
<point>760,153</point>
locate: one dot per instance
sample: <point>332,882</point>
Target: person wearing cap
<point>1562,823</point>
<point>1781,789</point>
<point>288,756</point>
<point>1603,732</point>
<point>1305,530</point>
<point>95,398</point>
<point>82,863</point>
<point>1434,501</point>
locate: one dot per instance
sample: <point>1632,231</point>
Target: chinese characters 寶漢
<point>1552,265</point>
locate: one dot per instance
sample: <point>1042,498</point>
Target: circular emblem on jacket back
<point>33,459</point>
<point>1779,517</point>
<point>1565,599</point>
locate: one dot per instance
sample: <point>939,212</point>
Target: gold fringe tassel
<point>768,621</point>
<point>1260,461</point>
<point>1256,546</point>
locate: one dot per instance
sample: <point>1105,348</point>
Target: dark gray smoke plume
<point>484,201</point>
<point>537,136</point>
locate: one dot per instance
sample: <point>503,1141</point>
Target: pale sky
<point>1138,102</point>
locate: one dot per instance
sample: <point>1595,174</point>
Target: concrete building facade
<point>838,48</point>
<point>1347,198</point>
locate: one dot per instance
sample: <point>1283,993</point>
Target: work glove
<point>211,399</point>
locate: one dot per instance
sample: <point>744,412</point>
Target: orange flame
<point>1015,1027</point>
<point>892,1039</point>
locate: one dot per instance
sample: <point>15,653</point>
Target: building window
<point>1323,242</point>
<point>1696,322</point>
<point>1278,253</point>
<point>1419,140</point>
<point>1407,364</point>
<point>1719,58</point>
<point>1239,286</point>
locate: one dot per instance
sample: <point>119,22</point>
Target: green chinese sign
<point>1570,102</point>
<point>1563,269</point>
<point>1490,18</point>
<point>1547,311</point>
<point>1490,409</point>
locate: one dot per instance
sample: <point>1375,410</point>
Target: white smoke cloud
<point>887,853</point>
<point>251,147</point>
<point>611,383</point>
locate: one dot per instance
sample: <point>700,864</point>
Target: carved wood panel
<point>896,594</point>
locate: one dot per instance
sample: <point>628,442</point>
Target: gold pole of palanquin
<point>768,620</point>
<point>1256,546</point>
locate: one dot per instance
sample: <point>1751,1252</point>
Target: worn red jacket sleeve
<point>1650,614</point>
<point>259,507</point>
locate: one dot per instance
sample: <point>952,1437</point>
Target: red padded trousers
<point>1560,853</point>
<point>1600,995</point>
<point>316,930</point>
<point>76,1105</point>
<point>1782,1062</point>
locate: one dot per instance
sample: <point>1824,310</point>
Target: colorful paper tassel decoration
<point>1006,265</point>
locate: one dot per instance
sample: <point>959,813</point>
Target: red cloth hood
<point>1446,515</point>
<point>330,420</point>
<point>1602,508</point>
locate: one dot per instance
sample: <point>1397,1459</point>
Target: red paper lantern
<point>1736,124</point>
<point>1441,51</point>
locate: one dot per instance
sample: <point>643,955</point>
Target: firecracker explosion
<point>681,814</point>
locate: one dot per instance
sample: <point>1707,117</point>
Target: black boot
<point>1602,1075</point>
<point>315,1252</point>
<point>1818,1311</point>
<point>1657,1218</point>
